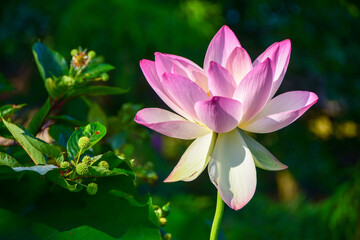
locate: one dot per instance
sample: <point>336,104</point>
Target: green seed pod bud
<point>86,160</point>
<point>167,236</point>
<point>92,189</point>
<point>91,54</point>
<point>104,77</point>
<point>104,164</point>
<point>74,52</point>
<point>83,142</point>
<point>158,211</point>
<point>82,169</point>
<point>162,221</point>
<point>166,209</point>
<point>68,81</point>
<point>65,164</point>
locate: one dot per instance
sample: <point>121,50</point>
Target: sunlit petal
<point>281,111</point>
<point>169,124</point>
<point>232,170</point>
<point>194,160</point>
<point>220,47</point>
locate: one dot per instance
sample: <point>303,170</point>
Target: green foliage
<point>50,63</point>
<point>9,109</point>
<point>39,117</point>
<point>95,70</point>
<point>94,131</point>
<point>18,134</point>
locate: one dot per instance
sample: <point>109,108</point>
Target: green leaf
<point>96,171</point>
<point>5,86</point>
<point>50,63</point>
<point>82,232</point>
<point>39,117</point>
<point>60,134</point>
<point>112,159</point>
<point>18,133</point>
<point>94,131</point>
<point>95,70</point>
<point>41,169</point>
<point>7,160</point>
<point>55,177</point>
<point>262,157</point>
<point>9,109</point>
<point>44,147</point>
<point>96,114</point>
<point>97,90</point>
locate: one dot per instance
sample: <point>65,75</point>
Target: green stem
<point>217,218</point>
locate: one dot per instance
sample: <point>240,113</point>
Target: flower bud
<point>158,211</point>
<point>65,164</point>
<point>91,54</point>
<point>82,169</point>
<point>104,164</point>
<point>92,189</point>
<point>167,236</point>
<point>104,77</point>
<point>74,52</point>
<point>87,160</point>
<point>166,209</point>
<point>162,221</point>
<point>68,81</point>
<point>83,142</point>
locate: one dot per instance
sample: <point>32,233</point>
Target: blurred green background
<point>318,197</point>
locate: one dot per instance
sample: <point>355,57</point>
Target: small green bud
<point>92,189</point>
<point>166,209</point>
<point>91,54</point>
<point>74,52</point>
<point>162,221</point>
<point>65,164</point>
<point>104,164</point>
<point>167,236</point>
<point>158,211</point>
<point>68,81</point>
<point>83,142</point>
<point>82,169</point>
<point>87,160</point>
<point>104,77</point>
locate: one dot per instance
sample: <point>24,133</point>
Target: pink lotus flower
<point>215,104</point>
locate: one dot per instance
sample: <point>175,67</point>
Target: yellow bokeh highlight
<point>322,127</point>
<point>347,129</point>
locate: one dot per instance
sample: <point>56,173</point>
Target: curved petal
<point>253,91</point>
<point>279,52</point>
<point>179,65</point>
<point>184,91</point>
<point>239,64</point>
<point>220,47</point>
<point>232,170</point>
<point>221,83</point>
<point>169,124</point>
<point>281,111</point>
<point>149,70</point>
<point>194,160</point>
<point>220,114</point>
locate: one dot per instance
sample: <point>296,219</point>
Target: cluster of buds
<point>162,213</point>
<point>80,59</point>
